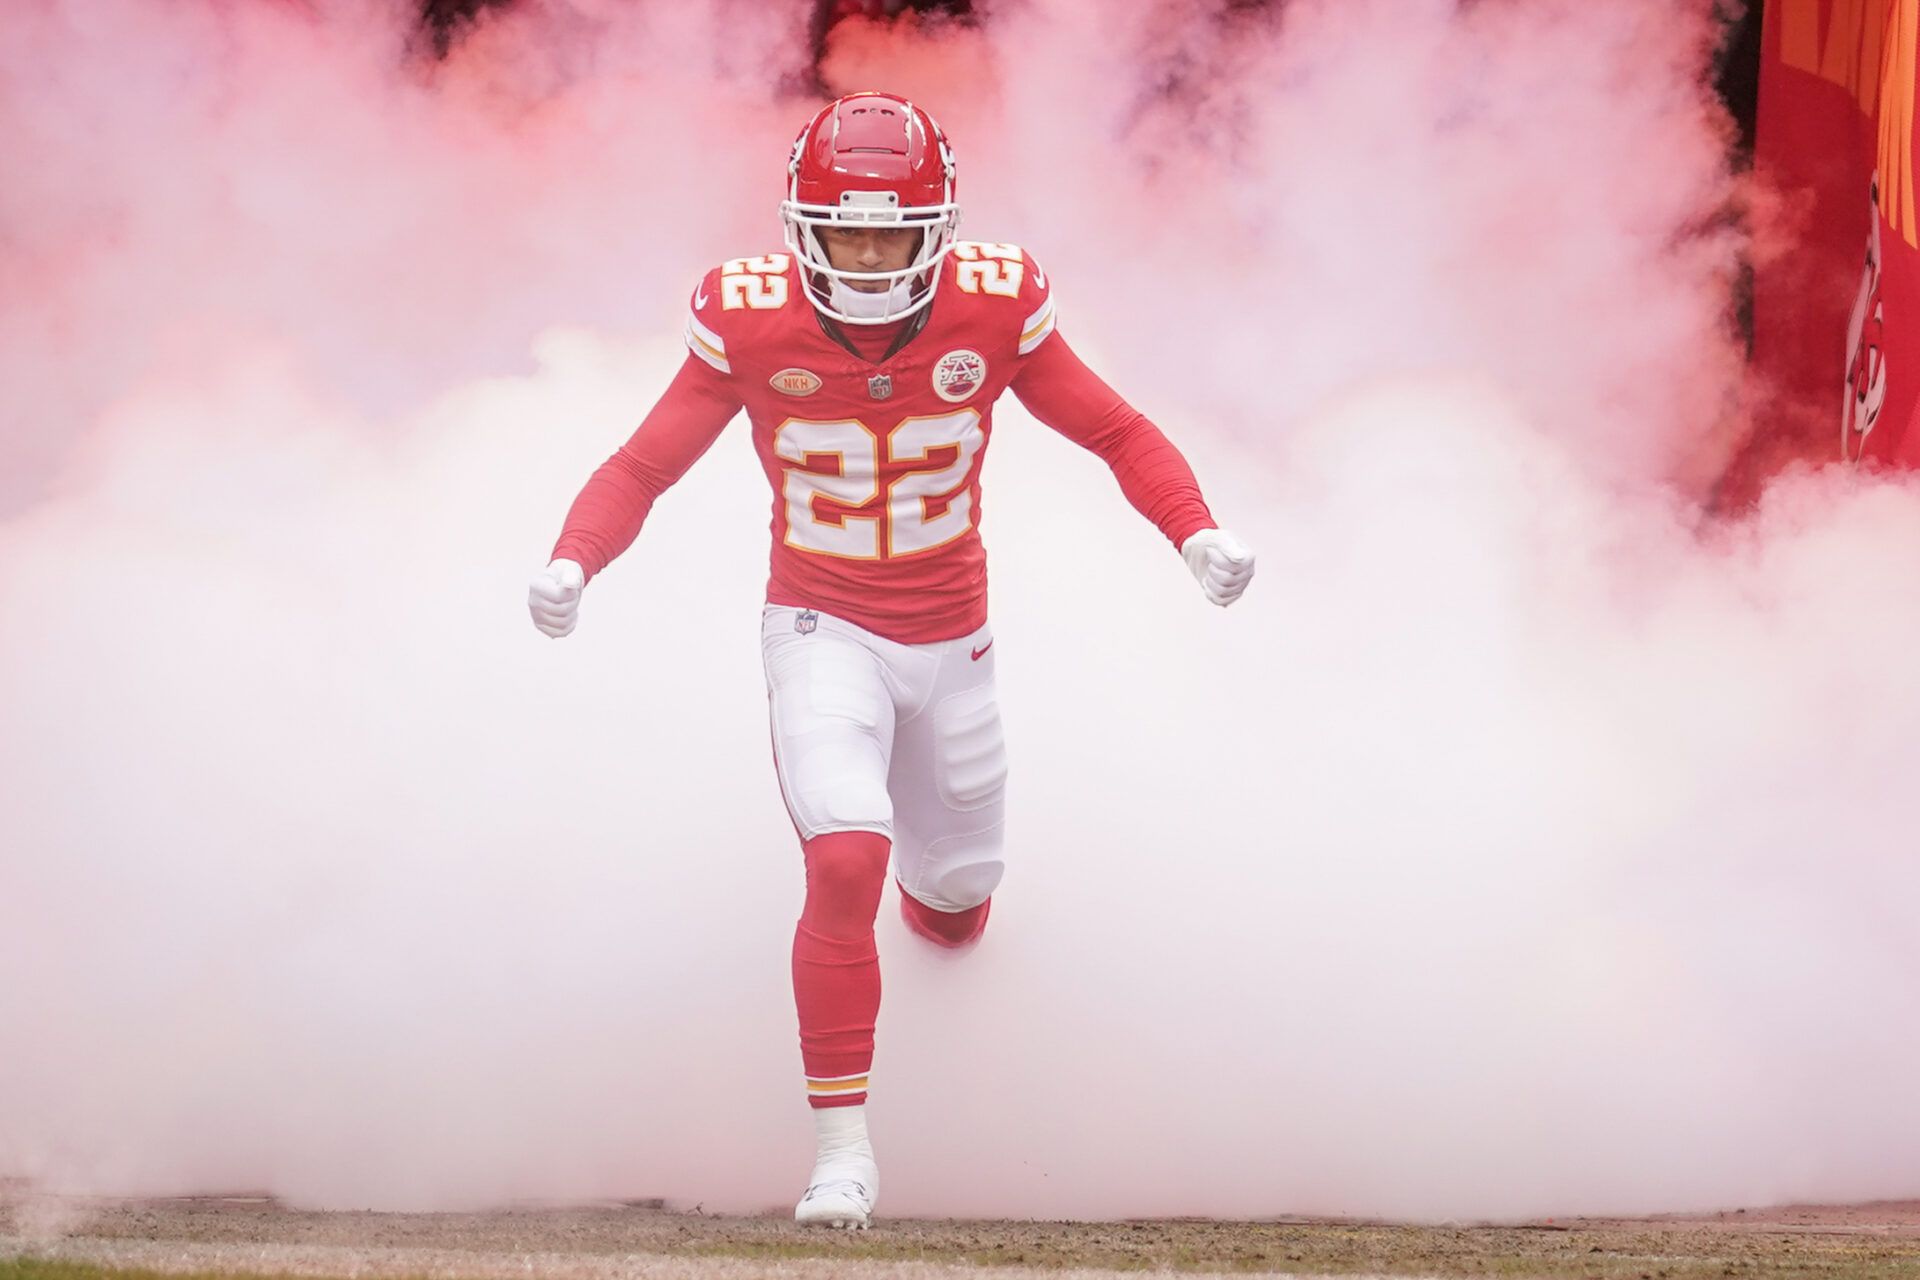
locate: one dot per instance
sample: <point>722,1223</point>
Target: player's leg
<point>836,989</point>
<point>832,716</point>
<point>948,783</point>
<point>836,967</point>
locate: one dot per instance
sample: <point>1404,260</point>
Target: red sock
<point>947,928</point>
<point>836,968</point>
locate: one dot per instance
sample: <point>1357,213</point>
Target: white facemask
<point>849,301</point>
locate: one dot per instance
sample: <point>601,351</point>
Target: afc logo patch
<point>958,374</point>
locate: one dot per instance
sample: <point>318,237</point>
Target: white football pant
<point>905,740</point>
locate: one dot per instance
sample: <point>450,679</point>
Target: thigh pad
<point>832,720</point>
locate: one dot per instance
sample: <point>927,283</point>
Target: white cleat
<point>841,1193</point>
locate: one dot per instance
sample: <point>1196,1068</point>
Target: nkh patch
<point>805,621</point>
<point>958,374</point>
<point>795,382</point>
<point>880,386</point>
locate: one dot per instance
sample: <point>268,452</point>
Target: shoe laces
<point>839,1177</point>
<point>837,1186</point>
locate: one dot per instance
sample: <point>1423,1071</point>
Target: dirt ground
<point>63,1239</point>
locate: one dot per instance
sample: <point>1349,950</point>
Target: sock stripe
<point>836,1084</point>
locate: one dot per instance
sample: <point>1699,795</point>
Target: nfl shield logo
<point>880,386</point>
<point>806,621</point>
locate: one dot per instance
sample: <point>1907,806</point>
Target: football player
<point>868,357</point>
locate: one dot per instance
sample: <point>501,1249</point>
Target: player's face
<point>870,249</point>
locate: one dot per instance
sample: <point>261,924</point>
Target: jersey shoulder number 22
<point>754,284</point>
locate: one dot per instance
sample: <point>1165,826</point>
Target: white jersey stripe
<point>707,344</point>
<point>1037,327</point>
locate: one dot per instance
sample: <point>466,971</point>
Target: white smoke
<point>1518,845</point>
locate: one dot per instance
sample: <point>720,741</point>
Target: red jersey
<point>875,462</point>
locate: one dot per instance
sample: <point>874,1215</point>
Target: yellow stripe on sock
<point>853,1085</point>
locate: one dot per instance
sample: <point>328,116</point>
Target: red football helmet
<point>870,159</point>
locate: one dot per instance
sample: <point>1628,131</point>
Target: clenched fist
<point>554,597</point>
<point>1220,562</point>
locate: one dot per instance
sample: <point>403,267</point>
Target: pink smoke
<point>1519,845</point>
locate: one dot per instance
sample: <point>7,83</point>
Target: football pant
<point>904,740</point>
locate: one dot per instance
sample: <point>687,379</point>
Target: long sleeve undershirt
<point>1057,388</point>
<point>606,517</point>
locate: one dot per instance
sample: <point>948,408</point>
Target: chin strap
<point>849,301</point>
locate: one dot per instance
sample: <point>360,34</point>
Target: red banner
<point>1837,310</point>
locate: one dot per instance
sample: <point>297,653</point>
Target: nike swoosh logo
<point>699,300</point>
<point>982,651</point>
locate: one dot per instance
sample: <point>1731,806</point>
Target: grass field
<point>43,1239</point>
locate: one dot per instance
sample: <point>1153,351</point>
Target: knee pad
<point>961,872</point>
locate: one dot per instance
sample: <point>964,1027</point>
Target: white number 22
<point>989,268</point>
<point>854,453</point>
<point>756,283</point>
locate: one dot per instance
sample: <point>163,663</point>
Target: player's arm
<point>1059,389</point>
<point>607,515</point>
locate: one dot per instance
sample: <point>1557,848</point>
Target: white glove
<point>1220,562</point>
<point>554,597</point>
